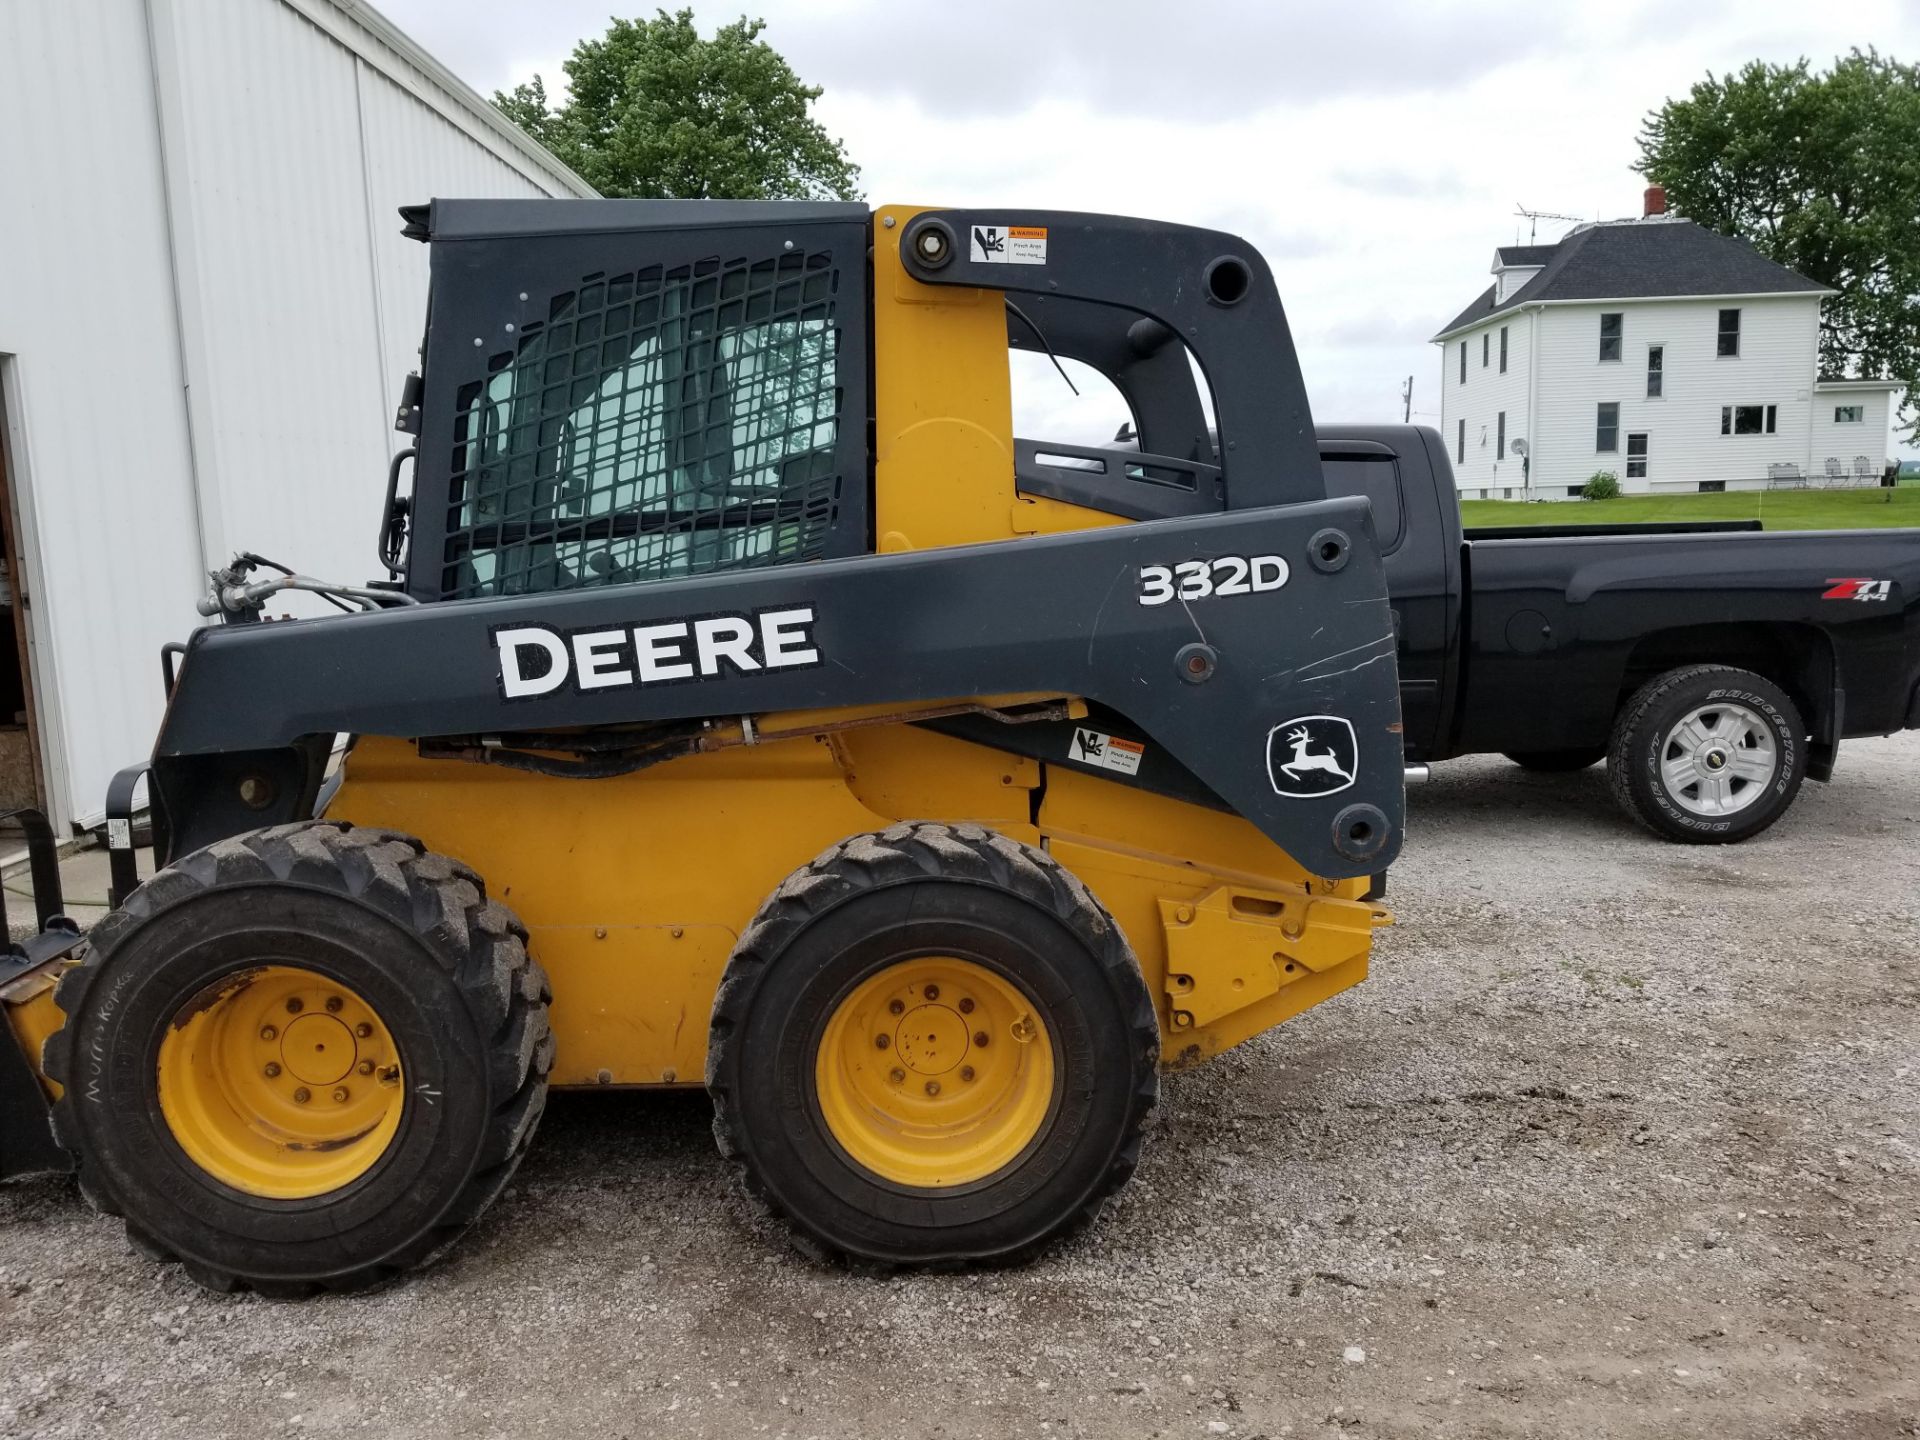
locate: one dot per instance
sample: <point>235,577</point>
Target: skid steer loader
<point>747,707</point>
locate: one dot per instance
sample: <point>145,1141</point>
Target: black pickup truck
<point>1713,666</point>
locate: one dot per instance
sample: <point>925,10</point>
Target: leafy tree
<point>1821,172</point>
<point>655,111</point>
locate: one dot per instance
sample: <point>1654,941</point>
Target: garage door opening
<point>22,782</point>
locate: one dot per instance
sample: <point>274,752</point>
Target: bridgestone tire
<point>1558,762</point>
<point>914,890</point>
<point>1648,719</point>
<point>448,973</point>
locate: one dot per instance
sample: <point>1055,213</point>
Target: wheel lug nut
<point>302,1095</point>
<point>295,1005</point>
<point>966,1007</point>
<point>333,1004</point>
<point>896,1007</point>
<point>980,1038</point>
<point>363,1029</point>
<point>267,1032</point>
<point>897,1075</point>
<point>966,1072</point>
<point>933,1087</point>
<point>340,1095</point>
<point>272,1070</point>
<point>880,1042</point>
<point>933,992</point>
<point>366,1067</point>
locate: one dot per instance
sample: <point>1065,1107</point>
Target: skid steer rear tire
<point>201,974</point>
<point>835,1107</point>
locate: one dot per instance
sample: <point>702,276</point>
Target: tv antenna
<point>1534,217</point>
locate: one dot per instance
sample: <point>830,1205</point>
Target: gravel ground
<point>1618,1141</point>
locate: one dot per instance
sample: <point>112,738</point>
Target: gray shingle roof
<point>1525,254</point>
<point>1639,260</point>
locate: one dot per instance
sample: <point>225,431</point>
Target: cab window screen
<point>659,423</point>
<point>1378,478</point>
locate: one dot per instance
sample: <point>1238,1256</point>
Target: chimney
<point>1656,201</point>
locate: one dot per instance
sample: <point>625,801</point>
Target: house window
<point>1729,332</point>
<point>1461,459</point>
<point>1500,440</point>
<point>1610,336</point>
<point>1636,457</point>
<point>1503,349</point>
<point>1656,370</point>
<point>1713,487</point>
<point>1576,492</point>
<point>1486,349</point>
<point>1463,362</point>
<point>1606,430</point>
<point>1748,419</point>
<point>1849,414</point>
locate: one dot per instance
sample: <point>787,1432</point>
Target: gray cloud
<point>1397,182</point>
<point>1207,61</point>
<point>1374,328</point>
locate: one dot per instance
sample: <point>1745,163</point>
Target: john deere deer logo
<point>1311,756</point>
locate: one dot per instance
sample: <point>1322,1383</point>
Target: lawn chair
<point>1836,475</point>
<point>1785,477</point>
<point>1863,471</point>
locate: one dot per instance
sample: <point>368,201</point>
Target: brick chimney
<point>1656,201</point>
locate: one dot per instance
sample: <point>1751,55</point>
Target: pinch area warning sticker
<point>1110,752</point>
<point>1008,244</point>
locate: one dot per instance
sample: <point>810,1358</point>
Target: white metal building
<point>1676,358</point>
<point>206,312</point>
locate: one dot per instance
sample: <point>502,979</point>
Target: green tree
<point>654,111</point>
<point>1821,172</point>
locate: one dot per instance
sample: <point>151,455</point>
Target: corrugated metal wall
<point>206,308</point>
<point>98,456</point>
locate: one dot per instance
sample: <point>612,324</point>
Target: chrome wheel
<point>1719,759</point>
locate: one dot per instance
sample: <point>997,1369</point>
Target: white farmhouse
<point>1673,356</point>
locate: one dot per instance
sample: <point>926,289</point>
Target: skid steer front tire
<point>932,1047</point>
<point>302,1059</point>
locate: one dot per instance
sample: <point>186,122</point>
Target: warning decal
<point>1008,244</point>
<point>1110,752</point>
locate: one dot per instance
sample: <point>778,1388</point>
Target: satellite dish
<point>1519,447</point>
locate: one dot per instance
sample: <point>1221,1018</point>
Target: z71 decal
<point>1210,579</point>
<point>1858,590</point>
<point>537,660</point>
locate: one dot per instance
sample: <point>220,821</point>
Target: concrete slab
<point>83,885</point>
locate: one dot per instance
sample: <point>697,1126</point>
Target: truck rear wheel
<point>1558,762</point>
<point>932,1046</point>
<point>1708,754</point>
<point>302,1059</point>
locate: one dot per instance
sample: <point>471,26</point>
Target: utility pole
<point>1406,402</point>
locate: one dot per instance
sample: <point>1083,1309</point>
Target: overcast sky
<point>1374,150</point>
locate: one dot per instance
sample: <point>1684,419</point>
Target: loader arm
<point>1211,679</point>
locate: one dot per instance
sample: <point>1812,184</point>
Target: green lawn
<point>1776,509</point>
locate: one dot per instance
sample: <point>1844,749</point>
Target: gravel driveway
<point>1618,1141</point>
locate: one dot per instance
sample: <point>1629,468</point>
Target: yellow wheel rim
<point>280,1082</point>
<point>935,1072</point>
